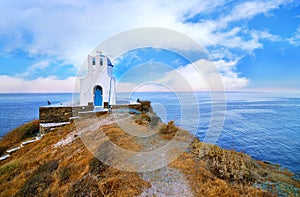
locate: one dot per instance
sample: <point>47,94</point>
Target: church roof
<point>109,62</point>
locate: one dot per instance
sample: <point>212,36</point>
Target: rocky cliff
<point>59,164</point>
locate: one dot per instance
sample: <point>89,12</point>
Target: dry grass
<point>71,170</point>
<point>76,170</point>
<point>240,169</point>
<point>17,135</point>
<point>121,138</point>
<point>85,186</point>
<point>25,163</point>
<point>145,106</point>
<point>142,122</point>
<point>40,179</point>
<point>120,183</point>
<point>168,131</point>
<point>204,183</point>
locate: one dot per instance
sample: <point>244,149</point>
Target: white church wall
<point>101,74</point>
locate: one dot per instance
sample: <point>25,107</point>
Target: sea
<point>262,124</point>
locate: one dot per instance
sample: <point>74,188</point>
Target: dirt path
<point>166,181</point>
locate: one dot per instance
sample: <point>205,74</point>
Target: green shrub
<point>28,130</point>
<point>64,174</point>
<point>86,186</point>
<point>17,135</point>
<point>2,149</point>
<point>48,167</point>
<point>9,170</point>
<point>35,184</point>
<point>40,180</point>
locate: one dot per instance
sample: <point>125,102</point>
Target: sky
<point>255,45</point>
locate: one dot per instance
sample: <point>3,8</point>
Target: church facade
<point>99,86</point>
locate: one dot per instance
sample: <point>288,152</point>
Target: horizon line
<point>229,91</point>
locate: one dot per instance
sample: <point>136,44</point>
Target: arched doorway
<point>98,95</point>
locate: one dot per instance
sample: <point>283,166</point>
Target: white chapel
<point>99,86</point>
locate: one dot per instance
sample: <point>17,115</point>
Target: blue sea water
<point>263,125</point>
<point>17,109</point>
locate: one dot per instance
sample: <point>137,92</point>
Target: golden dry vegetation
<point>70,169</point>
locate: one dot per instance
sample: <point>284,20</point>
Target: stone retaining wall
<point>55,114</point>
<point>59,114</point>
<point>51,114</point>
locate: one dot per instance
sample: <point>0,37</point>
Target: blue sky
<point>254,44</point>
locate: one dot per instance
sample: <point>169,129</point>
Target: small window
<point>101,62</point>
<point>94,61</point>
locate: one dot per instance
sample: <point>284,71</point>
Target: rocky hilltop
<point>59,164</point>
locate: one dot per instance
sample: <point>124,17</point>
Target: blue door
<point>98,95</point>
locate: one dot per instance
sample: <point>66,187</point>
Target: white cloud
<point>264,35</point>
<point>295,40</point>
<point>199,76</point>
<point>68,30</point>
<point>49,84</point>
<point>205,77</point>
<point>249,9</point>
<point>151,86</point>
<point>233,40</point>
<point>216,32</point>
<point>34,67</point>
<point>130,56</point>
<point>39,65</point>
